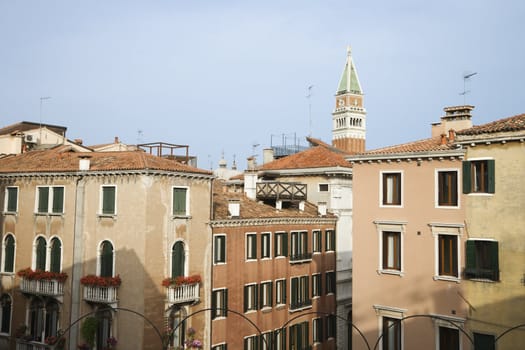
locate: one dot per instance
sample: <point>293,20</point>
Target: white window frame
<point>281,243</point>
<point>187,214</point>
<point>254,305</point>
<point>458,188</point>
<point>447,229</point>
<point>34,252</point>
<point>220,295</point>
<point>330,248</point>
<point>247,244</point>
<point>170,253</point>
<point>223,260</point>
<point>266,294</point>
<point>381,185</point>
<point>390,312</point>
<point>101,200</point>
<point>49,252</point>
<point>317,237</point>
<point>6,199</point>
<point>448,322</point>
<point>280,292</point>
<point>266,246</point>
<point>314,285</point>
<point>390,226</point>
<point>50,200</point>
<point>323,184</point>
<point>2,262</point>
<point>10,314</point>
<point>99,255</point>
<point>252,342</point>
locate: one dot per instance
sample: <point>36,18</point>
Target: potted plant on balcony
<point>30,274</point>
<point>99,281</point>
<point>181,280</point>
<point>88,331</point>
<point>191,342</point>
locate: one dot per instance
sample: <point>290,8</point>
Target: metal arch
<point>398,321</point>
<point>508,331</point>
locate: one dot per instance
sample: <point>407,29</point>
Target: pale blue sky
<point>224,75</point>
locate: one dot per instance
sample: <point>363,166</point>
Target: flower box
<point>99,281</point>
<point>181,280</point>
<point>38,275</point>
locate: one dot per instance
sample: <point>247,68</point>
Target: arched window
<point>176,323</point>
<point>5,311</point>
<point>40,254</point>
<point>9,253</point>
<point>51,319</point>
<point>106,259</point>
<point>177,259</point>
<point>36,320</point>
<point>103,328</point>
<point>56,255</point>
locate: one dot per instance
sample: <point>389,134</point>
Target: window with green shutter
<point>479,176</point>
<point>281,244</point>
<point>5,310</point>
<point>179,200</point>
<point>106,259</point>
<point>58,200</point>
<point>482,260</point>
<point>177,260</point>
<point>43,199</point>
<point>56,254</point>
<point>108,200</point>
<point>251,246</point>
<point>9,254</point>
<point>219,249</point>
<point>12,199</point>
<point>41,250</point>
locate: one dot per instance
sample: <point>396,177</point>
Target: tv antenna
<point>40,114</point>
<point>309,94</point>
<point>466,77</point>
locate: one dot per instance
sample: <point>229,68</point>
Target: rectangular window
<point>250,297</point>
<point>109,200</point>
<point>219,303</point>
<point>317,329</point>
<point>220,347</point>
<point>180,201</point>
<point>279,336</point>
<point>484,341</point>
<point>330,282</point>
<point>330,240</point>
<point>11,202</point>
<point>323,187</point>
<point>280,292</point>
<point>265,245</point>
<point>448,338</point>
<point>280,244</point>
<point>331,326</point>
<point>299,338</point>
<point>448,188</point>
<point>266,289</point>
<point>482,260</point>
<point>250,343</point>
<point>391,250</point>
<point>219,249</point>
<point>50,199</point>
<point>391,334</point>
<point>479,176</point>
<point>448,255</point>
<point>300,296</point>
<point>316,241</point>
<point>316,285</point>
<point>391,189</point>
<point>251,246</point>
<point>266,341</point>
<point>300,246</point>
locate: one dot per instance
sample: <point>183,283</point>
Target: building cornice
<point>240,222</point>
<point>324,171</point>
<point>408,156</point>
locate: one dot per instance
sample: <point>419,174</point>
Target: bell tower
<point>349,115</point>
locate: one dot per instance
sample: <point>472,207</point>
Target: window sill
<point>280,306</point>
<point>447,206</point>
<point>10,213</point>
<point>391,272</point>
<point>7,274</point>
<point>107,216</point>
<point>49,214</point>
<point>447,278</point>
<point>251,260</point>
<point>390,206</point>
<point>219,263</point>
<point>481,194</point>
<point>266,309</point>
<point>481,280</point>
<point>179,216</point>
<point>297,309</point>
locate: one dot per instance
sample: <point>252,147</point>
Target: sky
<point>231,77</point>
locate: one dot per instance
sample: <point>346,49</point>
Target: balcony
<point>53,288</point>
<point>281,191</point>
<point>98,294</point>
<point>300,257</point>
<point>22,344</point>
<point>186,293</point>
<point>300,304</point>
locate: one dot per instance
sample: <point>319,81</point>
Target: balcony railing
<point>300,304</point>
<point>183,294</point>
<point>52,288</point>
<point>97,294</point>
<point>281,190</point>
<point>22,344</point>
<point>300,257</point>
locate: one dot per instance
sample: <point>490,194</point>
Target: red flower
<point>181,280</point>
<point>42,275</point>
<point>99,281</point>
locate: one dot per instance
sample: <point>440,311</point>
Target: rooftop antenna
<point>139,136</point>
<point>40,114</point>
<point>466,77</point>
<point>309,88</point>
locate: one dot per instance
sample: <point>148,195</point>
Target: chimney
<point>116,139</point>
<point>301,205</point>
<point>251,163</point>
<point>451,135</point>
<point>321,208</point>
<point>268,155</point>
<point>78,141</point>
<point>456,117</point>
<point>250,184</point>
<point>278,204</point>
<point>234,207</point>
<point>84,163</point>
<point>443,139</point>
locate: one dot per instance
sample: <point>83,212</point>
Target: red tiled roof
<point>314,157</point>
<point>62,159</point>
<point>426,145</point>
<point>24,126</point>
<point>514,123</point>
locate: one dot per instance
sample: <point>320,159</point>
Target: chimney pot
<point>321,208</point>
<point>234,207</point>
<point>116,139</point>
<point>443,139</point>
<point>451,135</point>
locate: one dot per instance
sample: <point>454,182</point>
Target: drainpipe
<point>78,251</point>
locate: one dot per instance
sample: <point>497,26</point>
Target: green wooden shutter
<point>245,298</point>
<point>466,177</point>
<point>9,259</point>
<point>494,260</point>
<point>56,252</point>
<point>43,199</point>
<point>106,260</point>
<point>214,311</point>
<point>225,302</point>
<point>58,199</point>
<point>470,257</point>
<point>293,297</point>
<point>12,199</point>
<point>108,200</point>
<point>271,293</point>
<point>491,178</point>
<point>285,244</point>
<point>179,201</point>
<point>41,254</point>
<point>177,260</point>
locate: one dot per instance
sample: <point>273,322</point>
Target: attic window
<point>323,187</point>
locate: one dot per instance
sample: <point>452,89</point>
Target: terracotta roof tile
<point>314,157</point>
<point>426,145</point>
<point>62,159</point>
<point>514,123</point>
<point>24,126</point>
